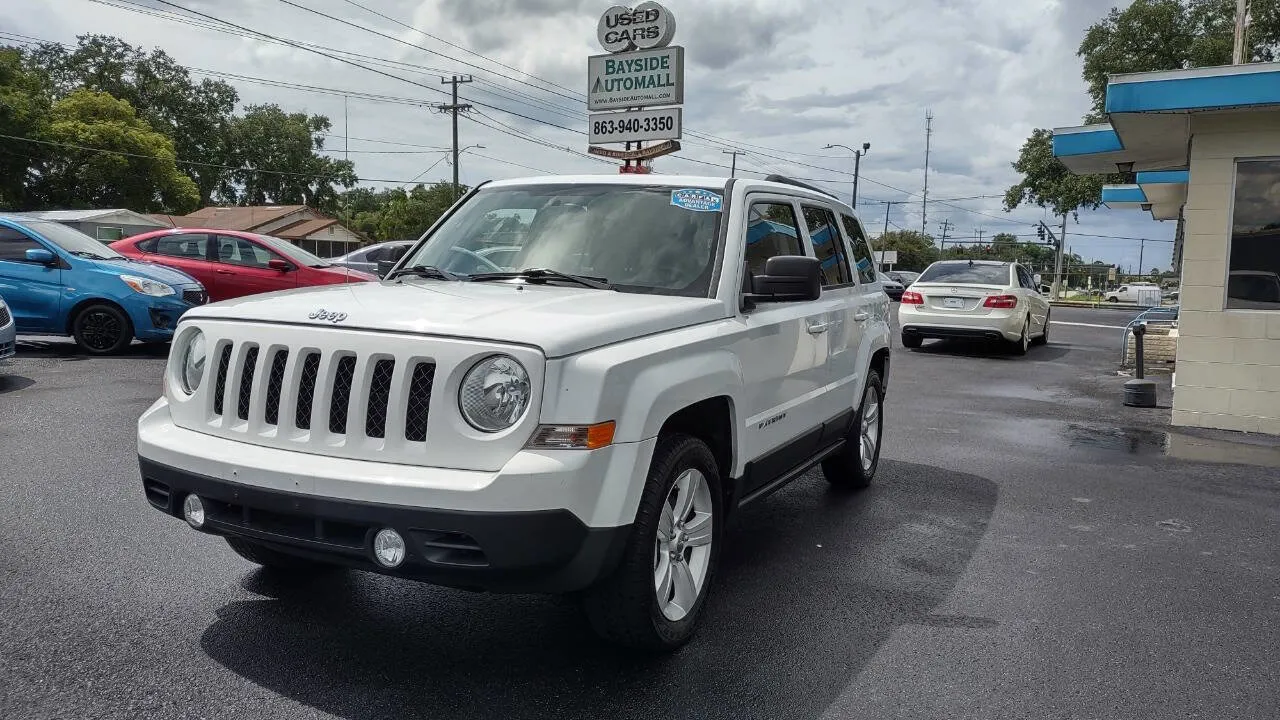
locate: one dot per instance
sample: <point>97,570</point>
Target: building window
<point>108,234</point>
<point>1253,280</point>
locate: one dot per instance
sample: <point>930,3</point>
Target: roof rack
<point>788,181</point>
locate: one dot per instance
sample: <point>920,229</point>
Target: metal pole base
<point>1140,393</point>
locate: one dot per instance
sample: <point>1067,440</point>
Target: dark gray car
<point>376,259</point>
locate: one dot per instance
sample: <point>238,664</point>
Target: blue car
<point>8,332</point>
<point>59,281</point>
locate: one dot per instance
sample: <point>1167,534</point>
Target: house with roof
<point>105,225</point>
<point>303,226</point>
<point>1203,146</point>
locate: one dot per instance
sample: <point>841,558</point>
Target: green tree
<point>277,160</point>
<point>197,116</point>
<point>406,215</point>
<point>915,250</point>
<point>1149,35</point>
<point>24,110</point>
<point>131,166</point>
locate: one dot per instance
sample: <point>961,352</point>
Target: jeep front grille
<point>344,387</point>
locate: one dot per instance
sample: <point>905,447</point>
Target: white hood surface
<point>557,319</point>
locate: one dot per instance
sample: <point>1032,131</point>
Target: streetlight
<point>857,165</point>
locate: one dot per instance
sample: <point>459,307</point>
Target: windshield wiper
<point>89,255</point>
<point>426,271</point>
<point>544,274</point>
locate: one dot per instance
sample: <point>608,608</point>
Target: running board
<point>791,474</point>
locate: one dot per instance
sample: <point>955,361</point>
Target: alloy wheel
<point>100,330</point>
<point>870,431</point>
<point>682,547</point>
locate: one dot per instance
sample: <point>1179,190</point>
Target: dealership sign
<point>636,79</point>
<point>647,26</point>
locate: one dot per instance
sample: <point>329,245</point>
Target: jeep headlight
<point>495,393</point>
<point>193,357</point>
<point>147,286</point>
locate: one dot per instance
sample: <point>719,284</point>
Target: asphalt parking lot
<point>1031,549</point>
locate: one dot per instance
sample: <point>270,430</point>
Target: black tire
<point>260,554</point>
<point>624,607</point>
<point>1043,338</point>
<point>911,342</point>
<point>1113,299</point>
<point>847,469</point>
<point>1020,346</point>
<point>102,329</point>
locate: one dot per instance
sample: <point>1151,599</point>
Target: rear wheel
<point>1043,338</point>
<point>911,342</point>
<point>653,600</point>
<point>1023,343</point>
<point>102,329</point>
<point>260,554</point>
<point>855,465</point>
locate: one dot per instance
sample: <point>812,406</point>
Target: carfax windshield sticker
<point>697,200</point>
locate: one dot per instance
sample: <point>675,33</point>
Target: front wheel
<point>653,600</point>
<point>1113,299</point>
<point>855,465</point>
<point>102,330</point>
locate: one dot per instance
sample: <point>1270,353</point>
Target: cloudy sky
<point>778,79</point>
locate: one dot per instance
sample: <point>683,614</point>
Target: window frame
<point>1230,232</point>
<point>39,245</point>
<point>208,244</point>
<point>97,233</point>
<point>849,243</point>
<point>839,237</point>
<point>770,198</point>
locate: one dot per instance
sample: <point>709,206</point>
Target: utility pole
<point>978,232</point>
<point>346,132</point>
<point>733,170</point>
<point>928,138</point>
<point>1242,13</point>
<point>1142,249</point>
<point>946,228</point>
<point>1057,263</point>
<point>888,205</point>
<point>453,109</point>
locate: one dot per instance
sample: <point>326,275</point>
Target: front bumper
<point>537,551</point>
<point>8,340</point>
<point>156,318</point>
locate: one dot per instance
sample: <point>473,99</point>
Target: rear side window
<point>862,259</point>
<point>962,273</point>
<point>771,231</point>
<point>148,245</point>
<point>238,251</point>
<point>14,245</point>
<point>190,247</point>
<point>827,245</point>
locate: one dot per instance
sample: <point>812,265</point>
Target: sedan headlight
<point>495,393</point>
<point>147,286</point>
<point>193,357</point>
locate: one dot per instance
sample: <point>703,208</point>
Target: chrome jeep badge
<point>333,317</point>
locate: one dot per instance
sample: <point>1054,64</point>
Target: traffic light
<point>1040,231</point>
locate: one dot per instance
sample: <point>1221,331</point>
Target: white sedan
<point>975,299</point>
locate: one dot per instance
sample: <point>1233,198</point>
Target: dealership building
<point>1203,146</point>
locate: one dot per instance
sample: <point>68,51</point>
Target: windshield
<point>291,251</point>
<point>634,237</point>
<point>73,241</point>
<point>962,273</point>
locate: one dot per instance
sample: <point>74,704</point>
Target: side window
<point>373,256</point>
<point>238,251</point>
<point>828,246</point>
<point>862,258</point>
<point>149,245</point>
<point>1023,278</point>
<point>771,231</point>
<point>190,247</point>
<point>14,245</point>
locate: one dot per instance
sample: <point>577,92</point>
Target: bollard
<point>1139,392</point>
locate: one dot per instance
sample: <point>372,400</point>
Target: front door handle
<point>818,328</point>
<point>860,316</point>
<point>224,272</point>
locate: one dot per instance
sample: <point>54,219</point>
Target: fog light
<point>193,511</point>
<point>388,548</point>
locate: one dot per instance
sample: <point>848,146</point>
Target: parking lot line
<point>1106,327</point>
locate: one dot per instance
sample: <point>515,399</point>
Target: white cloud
<point>792,75</point>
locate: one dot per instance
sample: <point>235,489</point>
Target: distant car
<point>374,259</point>
<point>1253,290</point>
<point>233,264</point>
<point>906,277</point>
<point>59,281</point>
<point>892,288</point>
<point>8,332</point>
<point>975,299</point>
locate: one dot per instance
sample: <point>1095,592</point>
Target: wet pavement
<point>1031,548</point>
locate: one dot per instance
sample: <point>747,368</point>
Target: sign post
<point>643,75</point>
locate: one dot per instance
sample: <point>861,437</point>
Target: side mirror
<point>40,255</point>
<point>279,265</point>
<point>788,278</point>
<point>384,267</point>
<point>1038,280</point>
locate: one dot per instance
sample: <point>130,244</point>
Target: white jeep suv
<point>658,352</point>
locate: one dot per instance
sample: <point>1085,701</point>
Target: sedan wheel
<point>1024,342</point>
<point>102,330</point>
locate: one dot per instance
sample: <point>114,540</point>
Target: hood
<point>149,270</point>
<point>347,274</point>
<point>559,320</point>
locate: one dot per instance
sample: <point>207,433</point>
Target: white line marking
<point>1107,327</point>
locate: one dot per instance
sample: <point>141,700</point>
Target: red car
<point>230,263</point>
